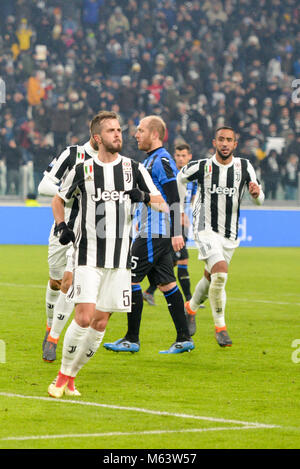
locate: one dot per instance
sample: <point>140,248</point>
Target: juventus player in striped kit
<point>58,308</point>
<point>222,180</point>
<point>106,186</point>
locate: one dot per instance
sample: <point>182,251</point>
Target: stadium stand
<point>198,64</point>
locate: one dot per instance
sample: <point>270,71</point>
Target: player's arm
<point>56,171</point>
<point>254,187</point>
<point>65,193</point>
<point>147,192</point>
<point>186,174</point>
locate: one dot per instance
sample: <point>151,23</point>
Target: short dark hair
<point>95,124</point>
<point>225,127</point>
<point>183,146</point>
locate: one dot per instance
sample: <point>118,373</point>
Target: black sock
<point>176,307</point>
<point>184,280</point>
<point>151,289</point>
<point>134,318</point>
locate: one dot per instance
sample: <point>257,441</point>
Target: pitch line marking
<point>147,432</point>
<point>265,301</point>
<point>141,410</point>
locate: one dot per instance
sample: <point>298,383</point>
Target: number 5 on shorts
<point>126,298</point>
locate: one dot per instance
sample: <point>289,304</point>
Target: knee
<point>99,322</point>
<point>218,280</point>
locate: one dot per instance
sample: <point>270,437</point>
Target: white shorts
<point>213,248</point>
<point>108,289</point>
<point>60,258</point>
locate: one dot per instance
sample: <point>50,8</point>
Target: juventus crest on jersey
<point>103,237</point>
<point>219,194</point>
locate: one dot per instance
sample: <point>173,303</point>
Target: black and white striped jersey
<point>103,237</point>
<point>59,169</point>
<point>220,190</point>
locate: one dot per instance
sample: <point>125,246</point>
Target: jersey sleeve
<point>164,170</point>
<point>70,185</point>
<point>188,173</point>
<point>59,167</point>
<point>145,182</point>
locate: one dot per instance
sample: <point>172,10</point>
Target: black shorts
<point>180,255</point>
<point>152,258</point>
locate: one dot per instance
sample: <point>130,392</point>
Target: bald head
<point>150,133</point>
<point>155,124</point>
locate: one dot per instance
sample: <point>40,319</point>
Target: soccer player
<point>106,187</point>
<point>60,258</point>
<point>152,248</point>
<point>182,156</point>
<point>222,180</point>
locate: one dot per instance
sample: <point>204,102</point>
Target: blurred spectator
<point>13,161</point>
<point>24,35</point>
<point>35,90</point>
<point>42,152</point>
<point>91,12</point>
<point>118,23</point>
<point>60,124</point>
<point>271,174</point>
<point>290,179</point>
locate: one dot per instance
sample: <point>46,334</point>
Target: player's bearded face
<point>112,146</point>
<point>225,144</point>
<point>224,153</point>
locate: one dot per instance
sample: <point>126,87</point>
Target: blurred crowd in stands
<point>198,64</point>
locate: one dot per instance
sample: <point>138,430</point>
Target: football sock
<point>62,311</point>
<point>134,318</point>
<point>73,338</point>
<point>87,349</point>
<point>51,298</point>
<point>200,294</point>
<point>184,280</point>
<point>217,297</point>
<point>175,303</point>
<point>61,379</point>
<point>151,289</point>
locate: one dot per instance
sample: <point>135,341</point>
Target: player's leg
<point>183,274</point>
<point>111,280</point>
<point>74,337</point>
<point>148,295</point>
<point>217,299</point>
<point>165,278</point>
<point>88,347</point>
<point>86,286</point>
<point>130,342</point>
<point>57,265</point>
<point>62,310</point>
<point>52,294</point>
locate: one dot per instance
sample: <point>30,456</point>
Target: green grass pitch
<point>246,396</point>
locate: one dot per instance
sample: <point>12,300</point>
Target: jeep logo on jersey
<point>106,196</point>
<point>222,190</point>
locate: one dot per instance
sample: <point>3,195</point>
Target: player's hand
<point>254,189</point>
<point>136,195</point>
<point>66,235</point>
<point>177,243</point>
